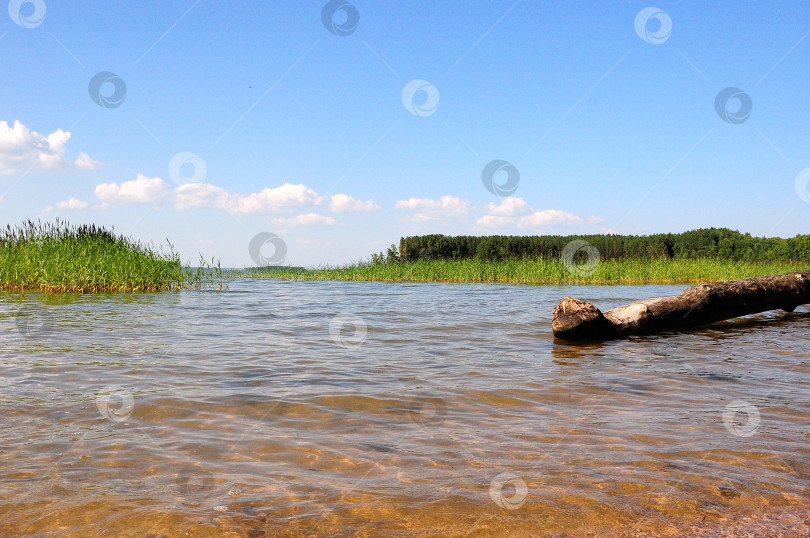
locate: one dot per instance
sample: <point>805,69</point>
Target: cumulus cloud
<point>142,190</point>
<point>343,203</point>
<point>307,219</point>
<point>285,198</point>
<point>428,209</point>
<point>494,221</point>
<point>549,217</point>
<point>72,204</point>
<point>197,195</point>
<point>145,190</point>
<point>269,200</point>
<point>516,212</point>
<point>24,150</point>
<point>275,199</point>
<point>510,211</point>
<point>509,207</point>
<point>85,162</point>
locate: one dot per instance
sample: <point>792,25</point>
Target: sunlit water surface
<point>266,410</point>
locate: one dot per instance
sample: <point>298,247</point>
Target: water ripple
<point>376,408</point>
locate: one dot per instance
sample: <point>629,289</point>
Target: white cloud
<point>494,221</point>
<point>269,200</point>
<point>549,217</point>
<point>509,207</point>
<point>24,150</point>
<point>343,203</point>
<point>428,209</point>
<point>275,199</point>
<point>85,162</point>
<point>503,214</point>
<point>142,190</point>
<point>307,219</point>
<point>280,199</point>
<point>196,195</point>
<point>509,211</point>
<point>73,204</point>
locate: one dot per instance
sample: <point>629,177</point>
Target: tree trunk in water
<point>703,304</point>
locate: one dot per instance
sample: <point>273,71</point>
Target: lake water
<point>327,408</point>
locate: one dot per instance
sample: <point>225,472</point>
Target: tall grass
<point>58,257</point>
<point>540,271</point>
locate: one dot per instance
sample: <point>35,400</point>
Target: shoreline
<point>537,271</point>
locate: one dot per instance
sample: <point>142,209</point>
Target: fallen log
<point>706,303</point>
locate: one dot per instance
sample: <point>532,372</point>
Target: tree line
<point>702,243</point>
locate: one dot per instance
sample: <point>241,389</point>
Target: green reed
<point>539,271</point>
<point>58,257</point>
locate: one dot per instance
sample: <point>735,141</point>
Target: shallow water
<point>324,408</point>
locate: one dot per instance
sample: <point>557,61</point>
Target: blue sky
<point>289,128</point>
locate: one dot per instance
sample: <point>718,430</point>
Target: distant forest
<point>703,243</point>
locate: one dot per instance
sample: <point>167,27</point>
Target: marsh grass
<point>58,257</point>
<point>539,271</point>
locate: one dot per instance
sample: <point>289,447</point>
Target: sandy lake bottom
<point>343,409</point>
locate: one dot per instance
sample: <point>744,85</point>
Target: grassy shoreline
<point>537,271</point>
<point>58,258</point>
<point>86,259</point>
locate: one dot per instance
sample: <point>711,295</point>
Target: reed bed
<point>58,257</point>
<point>539,271</point>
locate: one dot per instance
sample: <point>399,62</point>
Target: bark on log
<point>699,305</point>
